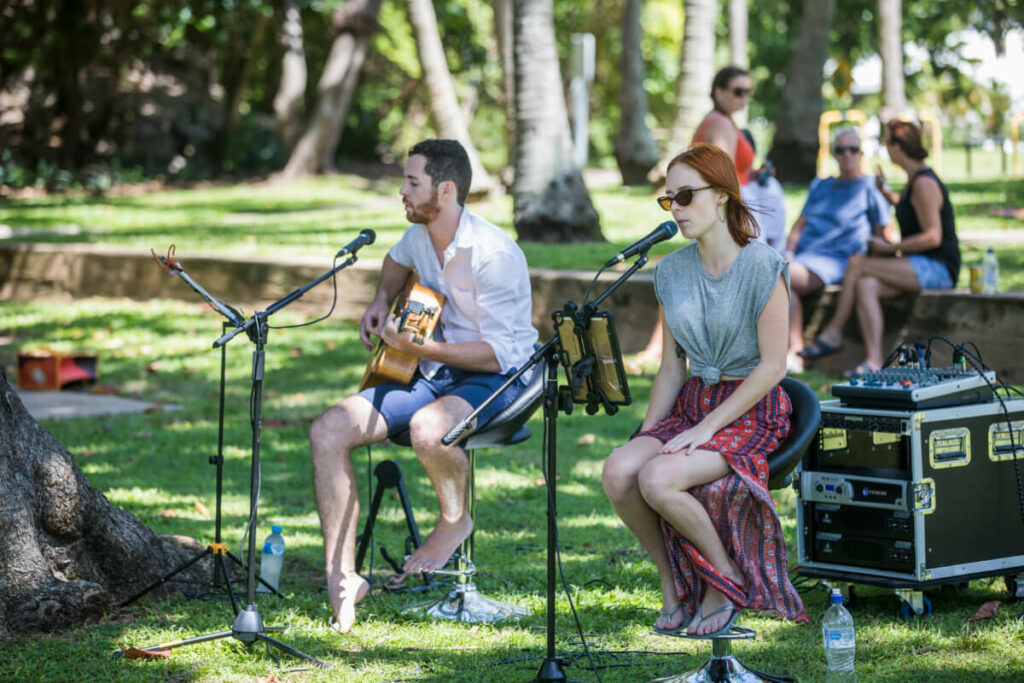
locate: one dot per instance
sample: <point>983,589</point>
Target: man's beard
<point>425,212</point>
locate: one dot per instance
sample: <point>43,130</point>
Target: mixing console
<point>910,388</point>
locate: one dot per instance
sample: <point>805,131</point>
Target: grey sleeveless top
<point>714,319</point>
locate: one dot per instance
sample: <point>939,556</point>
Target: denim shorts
<point>829,268</point>
<point>397,403</point>
<point>931,274</point>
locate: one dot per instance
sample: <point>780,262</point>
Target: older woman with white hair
<point>840,215</point>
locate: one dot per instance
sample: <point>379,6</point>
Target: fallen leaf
<point>201,509</point>
<point>155,366</point>
<point>331,345</point>
<point>274,423</point>
<point>155,408</point>
<point>295,352</point>
<point>169,513</point>
<point>104,389</point>
<point>586,440</point>
<point>986,611</point>
<point>136,653</point>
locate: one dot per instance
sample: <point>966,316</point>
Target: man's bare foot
<point>353,589</point>
<point>439,546</point>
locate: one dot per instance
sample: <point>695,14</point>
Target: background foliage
<point>97,93</point>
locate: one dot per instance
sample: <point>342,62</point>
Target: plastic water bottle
<point>840,642</point>
<point>271,559</point>
<point>990,272</point>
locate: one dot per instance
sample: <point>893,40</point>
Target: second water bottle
<point>271,560</point>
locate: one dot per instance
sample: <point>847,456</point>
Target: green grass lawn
<point>155,465</point>
<point>315,217</point>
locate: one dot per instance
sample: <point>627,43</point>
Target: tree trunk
<point>738,36</point>
<point>242,45</point>
<point>292,87</point>
<point>795,147</point>
<point>66,553</point>
<point>693,89</point>
<point>550,201</point>
<point>890,49</point>
<point>635,149</point>
<point>443,103</point>
<point>355,21</point>
<point>504,29</point>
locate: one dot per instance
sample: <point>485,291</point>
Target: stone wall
<point>995,323</point>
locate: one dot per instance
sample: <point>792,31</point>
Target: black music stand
<point>248,626</point>
<point>581,368</point>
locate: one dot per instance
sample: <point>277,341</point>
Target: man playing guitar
<point>484,334</point>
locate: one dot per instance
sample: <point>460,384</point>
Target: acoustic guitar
<point>418,310</point>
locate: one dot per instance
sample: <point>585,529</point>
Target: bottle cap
<point>836,597</point>
<point>275,529</point>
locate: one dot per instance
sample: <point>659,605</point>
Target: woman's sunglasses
<point>682,198</point>
<point>852,149</point>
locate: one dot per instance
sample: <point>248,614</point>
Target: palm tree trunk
<point>355,21</point>
<point>504,29</point>
<point>795,147</point>
<point>288,100</point>
<point>890,49</point>
<point>635,149</point>
<point>550,201</point>
<point>443,103</point>
<point>693,89</point>
<point>738,36</point>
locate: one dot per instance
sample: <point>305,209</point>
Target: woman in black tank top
<point>927,255</point>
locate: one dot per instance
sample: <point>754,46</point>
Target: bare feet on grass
<point>352,590</point>
<point>439,546</point>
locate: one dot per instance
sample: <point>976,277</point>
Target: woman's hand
<point>878,246</point>
<point>688,441</point>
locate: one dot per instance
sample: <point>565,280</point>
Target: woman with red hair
<point>692,484</point>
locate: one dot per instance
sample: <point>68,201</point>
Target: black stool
<point>723,666</point>
<point>464,602</point>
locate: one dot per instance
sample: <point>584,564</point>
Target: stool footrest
<point>468,570</point>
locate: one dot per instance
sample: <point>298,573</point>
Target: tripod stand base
<point>551,672</point>
<point>465,603</point>
<point>248,628</point>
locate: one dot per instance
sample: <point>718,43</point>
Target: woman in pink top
<point>730,93</point>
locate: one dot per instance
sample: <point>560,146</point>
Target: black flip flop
<point>819,348</point>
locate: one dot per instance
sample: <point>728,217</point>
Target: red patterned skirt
<point>739,504</point>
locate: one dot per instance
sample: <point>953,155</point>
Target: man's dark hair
<point>446,160</point>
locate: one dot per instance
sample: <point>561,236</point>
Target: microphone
<point>365,237</point>
<point>661,233</point>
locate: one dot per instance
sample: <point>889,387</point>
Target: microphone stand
<point>248,626</point>
<point>552,668</point>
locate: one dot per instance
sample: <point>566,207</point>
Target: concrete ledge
<point>995,323</point>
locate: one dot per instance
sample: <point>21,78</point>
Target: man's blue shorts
<point>931,273</point>
<point>397,403</point>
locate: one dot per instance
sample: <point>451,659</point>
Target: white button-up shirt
<point>487,284</point>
